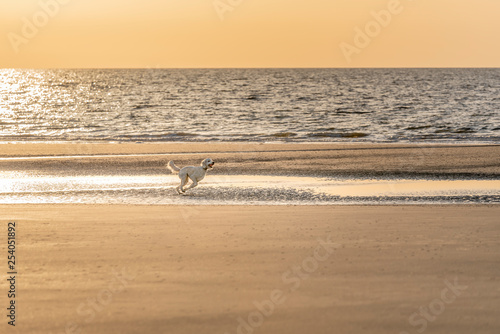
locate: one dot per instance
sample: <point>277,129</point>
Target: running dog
<point>196,174</point>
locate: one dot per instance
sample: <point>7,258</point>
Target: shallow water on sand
<point>242,190</point>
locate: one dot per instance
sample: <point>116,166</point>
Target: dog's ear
<point>204,163</point>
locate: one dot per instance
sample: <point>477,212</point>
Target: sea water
<point>294,105</point>
<point>18,187</point>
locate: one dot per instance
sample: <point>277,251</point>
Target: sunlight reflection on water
<point>241,189</point>
<point>329,105</point>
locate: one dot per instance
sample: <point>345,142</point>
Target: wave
<point>252,105</point>
<point>284,134</point>
<point>338,135</point>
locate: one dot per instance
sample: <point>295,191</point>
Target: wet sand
<point>356,160</point>
<point>255,269</point>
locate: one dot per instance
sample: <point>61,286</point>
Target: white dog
<point>196,174</point>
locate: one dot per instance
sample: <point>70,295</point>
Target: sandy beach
<point>133,269</point>
<point>255,269</point>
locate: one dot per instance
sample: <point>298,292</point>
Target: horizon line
<point>244,68</point>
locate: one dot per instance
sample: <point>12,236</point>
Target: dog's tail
<point>173,168</point>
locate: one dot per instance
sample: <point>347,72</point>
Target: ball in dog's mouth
<point>211,165</point>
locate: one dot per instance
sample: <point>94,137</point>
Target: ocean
<point>251,105</point>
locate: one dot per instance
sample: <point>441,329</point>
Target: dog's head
<point>207,163</point>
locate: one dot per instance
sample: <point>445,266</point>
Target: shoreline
<point>111,146</point>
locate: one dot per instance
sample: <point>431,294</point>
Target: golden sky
<point>249,33</point>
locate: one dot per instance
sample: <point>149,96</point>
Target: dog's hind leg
<point>183,184</point>
<point>192,185</point>
<point>184,180</point>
